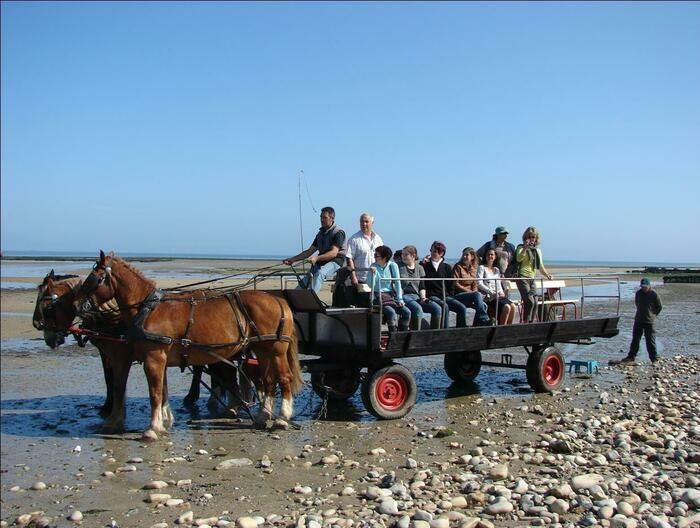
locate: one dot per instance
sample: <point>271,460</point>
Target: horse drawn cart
<point>346,347</point>
<point>350,350</point>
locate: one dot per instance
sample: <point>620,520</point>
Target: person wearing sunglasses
<point>529,258</point>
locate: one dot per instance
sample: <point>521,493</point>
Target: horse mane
<point>134,270</point>
<point>73,281</point>
<point>64,277</point>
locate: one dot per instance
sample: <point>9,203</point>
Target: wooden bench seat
<point>552,288</point>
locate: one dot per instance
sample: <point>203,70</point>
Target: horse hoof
<point>280,424</point>
<point>149,436</point>
<point>189,401</point>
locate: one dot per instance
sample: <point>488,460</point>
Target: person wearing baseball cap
<point>649,306</point>
<point>505,252</point>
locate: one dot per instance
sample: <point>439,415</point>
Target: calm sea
<point>81,255</point>
<point>35,264</point>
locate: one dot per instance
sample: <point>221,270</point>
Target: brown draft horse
<point>198,328</point>
<point>54,313</point>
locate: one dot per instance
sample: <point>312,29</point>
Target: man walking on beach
<point>648,305</point>
<point>360,253</point>
<point>330,244</point>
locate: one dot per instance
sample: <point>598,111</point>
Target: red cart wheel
<point>389,392</point>
<point>545,369</point>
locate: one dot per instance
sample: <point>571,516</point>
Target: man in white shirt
<point>360,249</point>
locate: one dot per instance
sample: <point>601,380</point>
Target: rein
<point>82,334</point>
<point>237,287</point>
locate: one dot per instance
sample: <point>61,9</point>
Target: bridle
<point>90,285</point>
<point>44,309</point>
<point>48,305</point>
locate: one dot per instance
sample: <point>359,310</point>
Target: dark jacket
<point>648,306</point>
<point>433,288</point>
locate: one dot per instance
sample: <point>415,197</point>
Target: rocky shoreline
<point>618,450</point>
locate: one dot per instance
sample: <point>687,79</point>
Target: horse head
<point>97,288</point>
<point>54,311</point>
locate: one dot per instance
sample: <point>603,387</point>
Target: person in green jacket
<point>529,259</point>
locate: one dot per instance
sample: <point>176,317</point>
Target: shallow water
<point>39,269</point>
<point>35,402</point>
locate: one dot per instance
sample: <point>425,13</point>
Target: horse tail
<point>296,381</point>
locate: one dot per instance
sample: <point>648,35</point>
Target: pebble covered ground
<point>619,449</point>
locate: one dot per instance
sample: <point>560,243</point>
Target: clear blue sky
<point>182,127</point>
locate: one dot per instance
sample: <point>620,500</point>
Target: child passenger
<point>414,293</point>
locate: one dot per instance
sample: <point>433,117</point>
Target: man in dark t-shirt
<point>330,244</point>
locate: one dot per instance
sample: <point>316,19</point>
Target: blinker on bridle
<point>91,283</point>
<point>47,310</point>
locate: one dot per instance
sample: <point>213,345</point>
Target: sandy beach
<point>620,447</point>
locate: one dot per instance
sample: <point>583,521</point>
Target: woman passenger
<point>529,259</point>
<point>466,290</point>
<point>390,291</point>
<point>492,288</point>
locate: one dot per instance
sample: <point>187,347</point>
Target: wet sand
<point>48,410</point>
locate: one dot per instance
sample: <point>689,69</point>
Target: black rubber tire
<point>389,392</point>
<point>545,369</point>
<point>336,385</point>
<point>463,366</point>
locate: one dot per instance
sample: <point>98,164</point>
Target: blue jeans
<point>391,313</point>
<point>317,275</point>
<point>418,310</point>
<point>454,305</point>
<point>475,301</point>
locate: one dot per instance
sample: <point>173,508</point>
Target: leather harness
<point>249,336</point>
